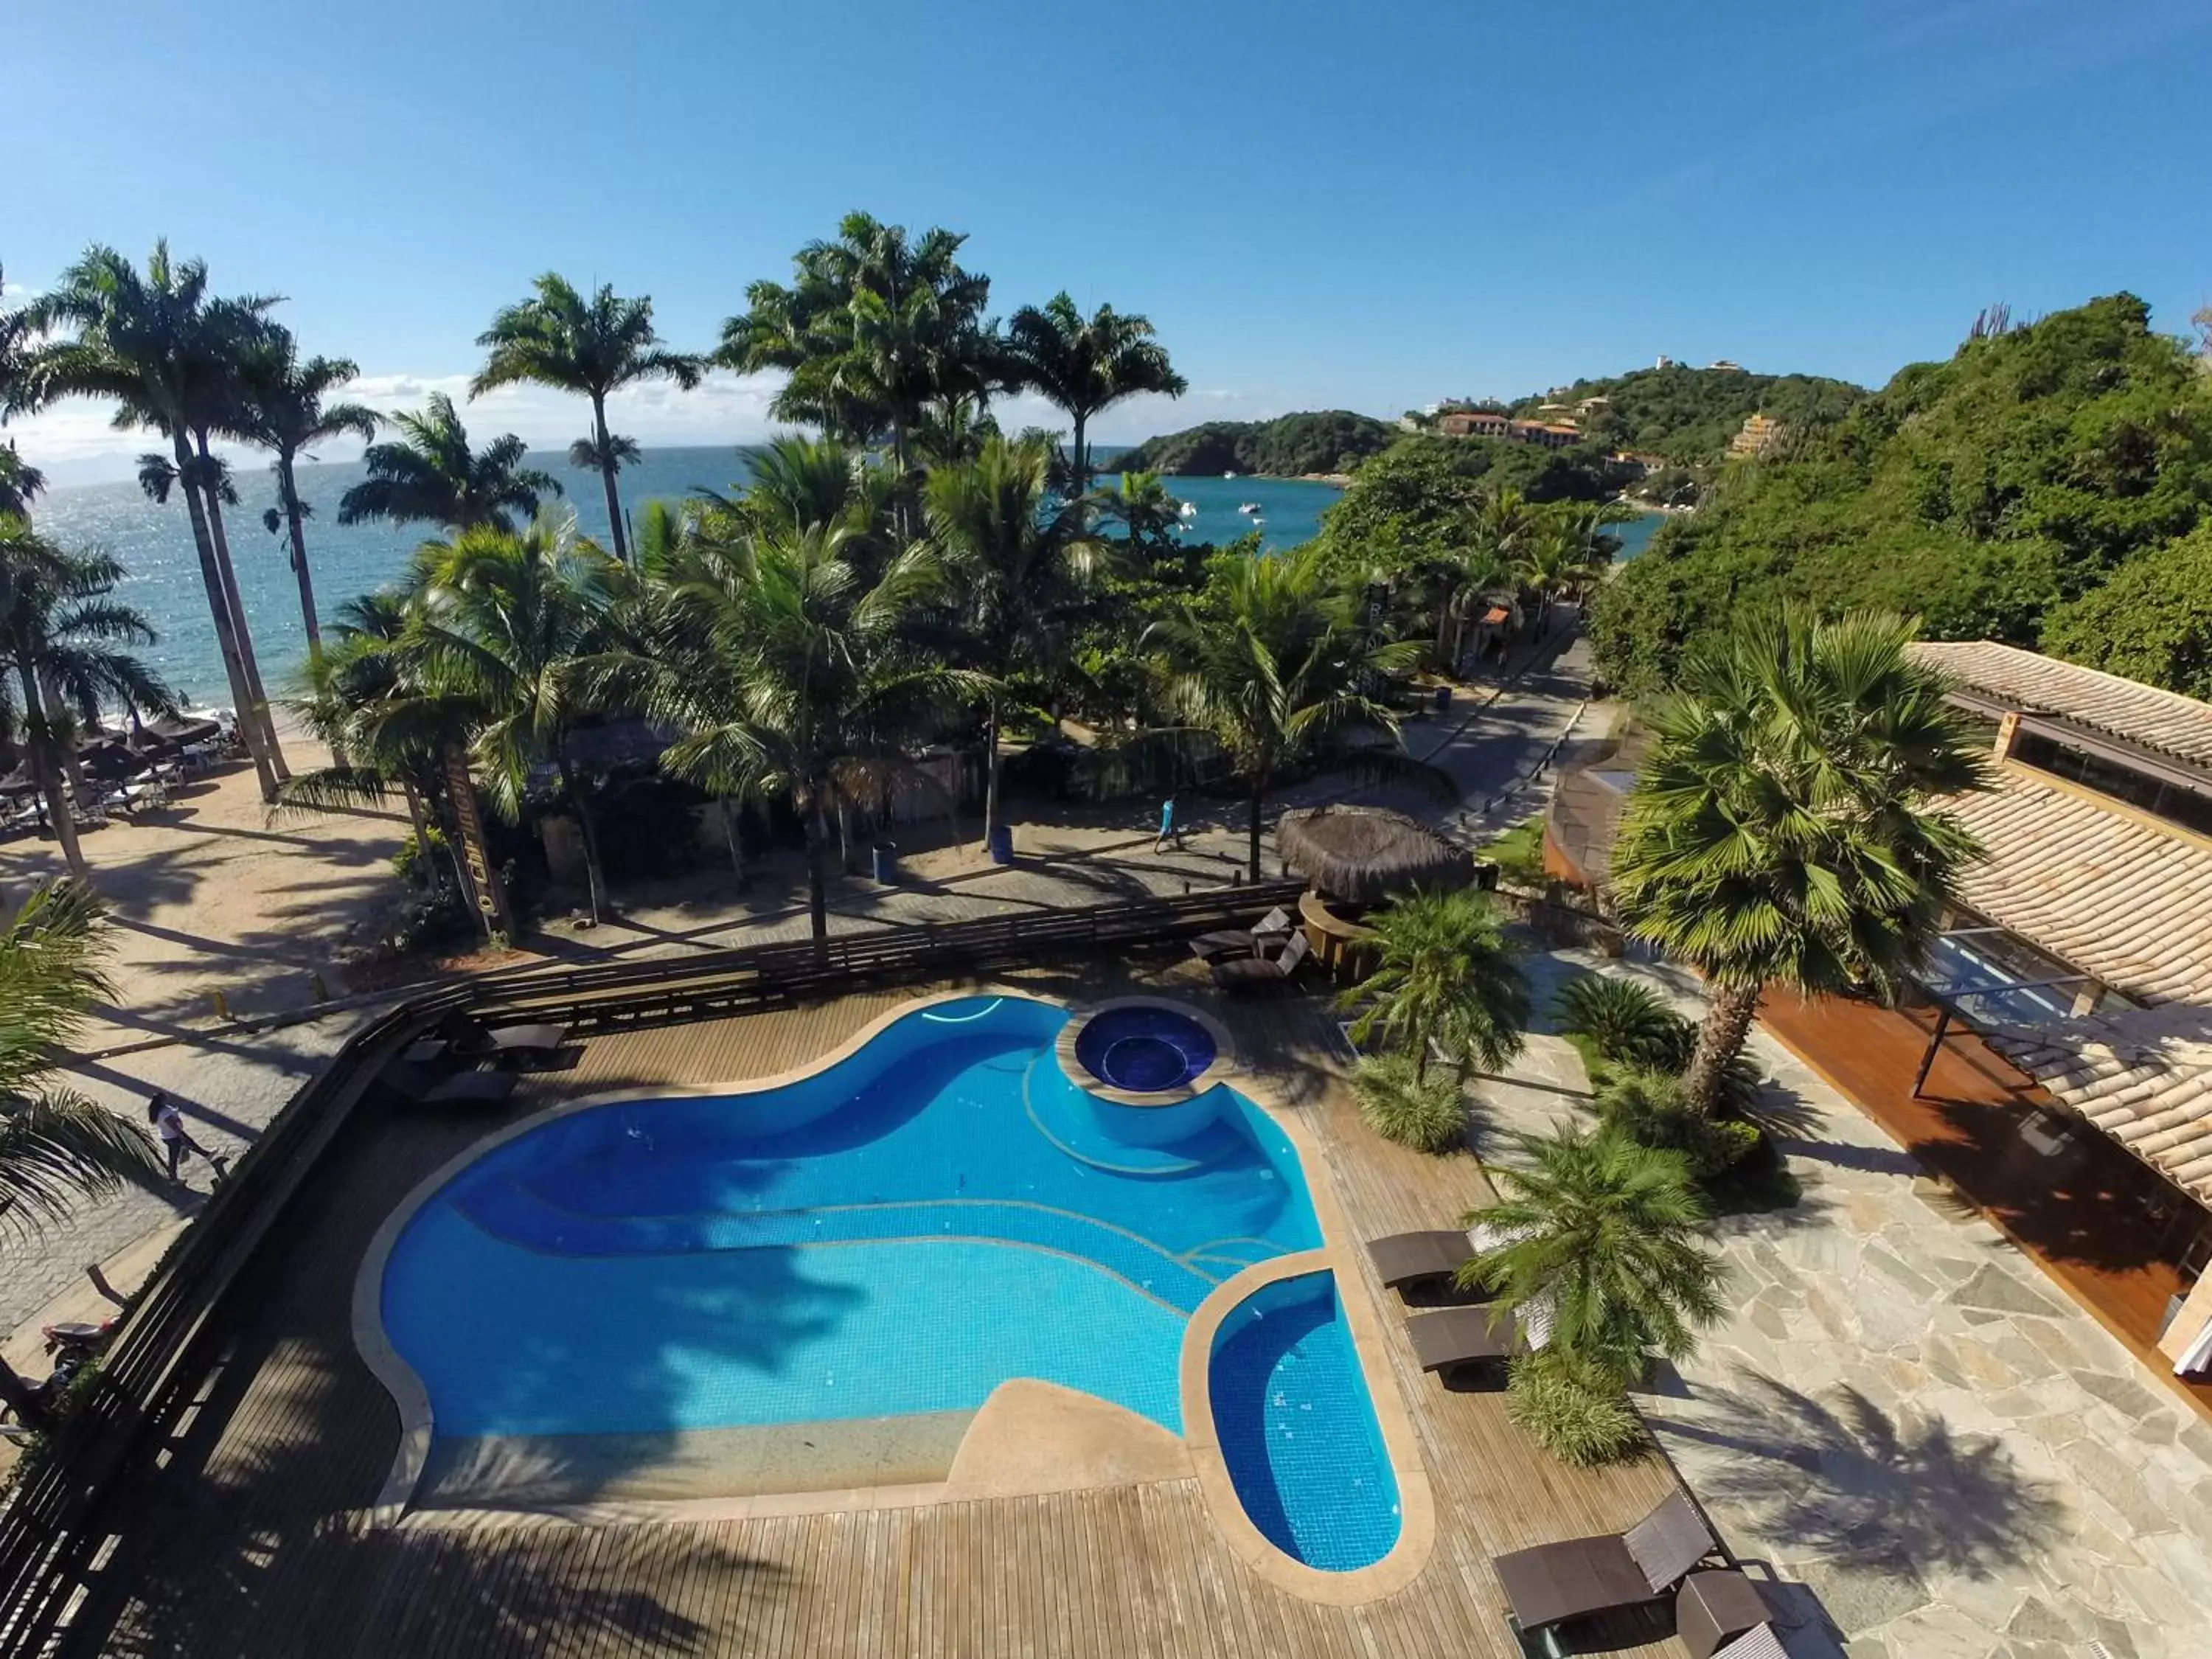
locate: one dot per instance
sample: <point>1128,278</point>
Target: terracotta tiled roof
<point>2164,721</point>
<point>2144,1076</point>
<point>2095,887</point>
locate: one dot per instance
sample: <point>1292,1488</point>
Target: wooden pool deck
<point>254,1537</point>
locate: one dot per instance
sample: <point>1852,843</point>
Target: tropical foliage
<point>1579,1420</point>
<point>56,1146</point>
<point>1443,981</point>
<point>431,475</point>
<point>1688,416</point>
<point>1289,446</point>
<point>1400,1102</point>
<point>1084,366</point>
<point>1782,830</point>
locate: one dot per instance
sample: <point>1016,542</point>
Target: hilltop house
<point>1758,434</point>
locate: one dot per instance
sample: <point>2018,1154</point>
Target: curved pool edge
<point>1224,1067</point>
<point>1417,1516</point>
<point>417,1422</point>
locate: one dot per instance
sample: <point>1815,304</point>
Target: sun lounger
<point>1262,971</point>
<point>1583,1577</point>
<point>1454,1337</point>
<point>419,1087</point>
<point>1273,928</point>
<point>1407,1262</point>
<point>458,1035</point>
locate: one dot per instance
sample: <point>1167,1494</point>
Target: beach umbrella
<point>1363,855</point>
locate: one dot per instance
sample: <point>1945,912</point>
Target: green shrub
<point>1519,854</point>
<point>1429,1115</point>
<point>1628,1022</point>
<point>411,866</point>
<point>1573,1415</point>
<point>1649,1108</point>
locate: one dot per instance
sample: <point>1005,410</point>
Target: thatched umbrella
<point>1363,855</point>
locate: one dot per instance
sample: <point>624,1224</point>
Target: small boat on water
<point>1249,507</point>
<point>1228,475</point>
<point>1188,509</point>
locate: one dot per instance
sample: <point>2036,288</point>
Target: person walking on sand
<point>1170,829</point>
<point>169,1123</point>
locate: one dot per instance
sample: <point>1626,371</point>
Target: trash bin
<point>1002,843</point>
<point>883,860</point>
<point>1443,698</point>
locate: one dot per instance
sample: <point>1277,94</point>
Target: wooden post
<point>489,894</point>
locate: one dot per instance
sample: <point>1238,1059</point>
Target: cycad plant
<point>1272,664</point>
<point>1605,1241</point>
<point>1784,828</point>
<point>1624,1020</point>
<point>1442,978</point>
<point>57,1147</point>
<point>557,338</point>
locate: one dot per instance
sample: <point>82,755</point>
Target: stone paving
<point>1904,1414</point>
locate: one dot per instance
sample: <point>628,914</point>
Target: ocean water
<point>155,545</point>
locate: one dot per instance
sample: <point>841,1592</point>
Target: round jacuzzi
<point>1145,1048</point>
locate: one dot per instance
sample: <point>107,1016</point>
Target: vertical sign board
<point>489,892</point>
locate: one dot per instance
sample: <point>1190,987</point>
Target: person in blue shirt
<point>1170,829</point>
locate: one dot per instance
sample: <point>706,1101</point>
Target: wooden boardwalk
<point>2093,1217</point>
<point>254,1540</point>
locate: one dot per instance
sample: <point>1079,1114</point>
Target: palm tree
<point>56,1146</point>
<point>282,409</point>
<point>61,639</point>
<point>1140,503</point>
<point>1604,1240</point>
<point>876,327</point>
<point>20,483</point>
<point>1020,561</point>
<point>431,475</point>
<point>142,342</point>
<point>511,628</point>
<point>783,677</point>
<point>1442,975</point>
<point>1085,365</point>
<point>596,346</point>
<point>1271,663</point>
<point>1781,831</point>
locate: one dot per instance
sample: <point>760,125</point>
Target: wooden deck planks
<point>302,1435</point>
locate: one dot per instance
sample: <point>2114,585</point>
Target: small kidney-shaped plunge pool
<point>1145,1048</point>
<point>1297,1429</point>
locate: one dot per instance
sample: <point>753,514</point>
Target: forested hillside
<point>2033,488</point>
<point>1688,414</point>
<point>1331,441</point>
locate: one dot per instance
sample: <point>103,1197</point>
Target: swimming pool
<point>1295,1426</point>
<point>939,1213</point>
<point>1144,1048</point>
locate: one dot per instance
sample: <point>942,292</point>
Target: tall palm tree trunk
<point>735,841</point>
<point>48,777</point>
<point>295,519</point>
<point>817,891</point>
<point>595,880</point>
<point>607,476</point>
<point>1720,1038</point>
<point>990,770</point>
<point>258,716</point>
<point>1080,459</point>
<point>219,610</point>
<point>422,822</point>
<point>1252,827</point>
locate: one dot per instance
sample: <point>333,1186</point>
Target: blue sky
<point>1318,205</point>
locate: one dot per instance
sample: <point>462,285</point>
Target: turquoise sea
<point>155,545</point>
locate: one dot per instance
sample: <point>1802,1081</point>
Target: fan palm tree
<point>1605,1242</point>
<point>1272,664</point>
<point>1782,831</point>
<point>1020,562</point>
<point>1443,974</point>
<point>593,346</point>
<point>63,641</point>
<point>56,1146</point>
<point>784,678</point>
<point>511,628</point>
<point>282,409</point>
<point>431,475</point>
<point>1085,365</point>
<point>142,342</point>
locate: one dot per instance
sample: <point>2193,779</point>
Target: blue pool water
<point>936,1213</point>
<point>1296,1429</point>
<point>1143,1049</point>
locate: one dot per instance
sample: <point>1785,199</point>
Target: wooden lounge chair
<point>1453,1339</point>
<point>1262,971</point>
<point>1273,928</point>
<point>1419,1261</point>
<point>462,1036</point>
<point>418,1086</point>
<point>1583,1577</point>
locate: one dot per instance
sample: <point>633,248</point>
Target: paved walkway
<point>1903,1413</point>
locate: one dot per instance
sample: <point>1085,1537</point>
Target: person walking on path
<point>1170,829</point>
<point>169,1123</point>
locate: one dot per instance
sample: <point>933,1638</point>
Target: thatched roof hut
<point>1363,855</point>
